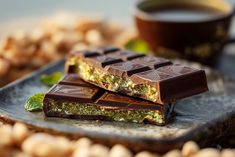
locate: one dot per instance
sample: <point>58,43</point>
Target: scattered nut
<point>173,153</point>
<point>85,25</point>
<point>82,142</point>
<point>80,47</point>
<point>98,150</point>
<point>208,152</point>
<point>6,135</point>
<point>93,37</point>
<point>52,41</point>
<point>81,152</point>
<point>146,154</point>
<point>119,151</point>
<point>44,145</point>
<point>21,154</point>
<point>189,148</point>
<point>20,132</point>
<point>4,67</point>
<point>228,153</point>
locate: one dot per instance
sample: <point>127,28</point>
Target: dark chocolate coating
<point>151,77</point>
<point>108,49</point>
<point>152,62</point>
<point>126,102</point>
<point>125,69</point>
<point>102,61</point>
<point>70,69</point>
<point>176,69</point>
<point>126,55</point>
<point>81,92</point>
<point>173,81</point>
<point>73,79</point>
<point>90,53</point>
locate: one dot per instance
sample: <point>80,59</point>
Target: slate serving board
<point>204,118</point>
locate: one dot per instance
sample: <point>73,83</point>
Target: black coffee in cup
<point>185,13</point>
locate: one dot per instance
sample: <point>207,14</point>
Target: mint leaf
<point>51,79</point>
<point>138,45</point>
<point>34,103</point>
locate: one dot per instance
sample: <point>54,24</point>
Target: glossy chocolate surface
<point>83,94</point>
<point>102,61</point>
<point>106,98</point>
<point>171,81</point>
<point>126,55</point>
<point>150,77</point>
<point>73,79</point>
<point>71,89</point>
<point>152,62</point>
<point>128,68</point>
<point>176,69</point>
<point>109,49</point>
<point>126,102</point>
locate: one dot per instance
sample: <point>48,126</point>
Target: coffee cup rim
<point>143,15</point>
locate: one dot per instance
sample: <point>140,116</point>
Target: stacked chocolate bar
<point>126,86</point>
<point>74,98</point>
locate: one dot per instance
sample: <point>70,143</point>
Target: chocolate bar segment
<point>105,106</point>
<point>146,77</point>
<point>73,79</point>
<point>102,61</point>
<point>126,55</point>
<point>152,62</point>
<point>125,69</point>
<point>107,50</point>
<point>89,53</point>
<point>83,94</point>
<point>171,85</point>
<point>121,101</point>
<point>176,69</point>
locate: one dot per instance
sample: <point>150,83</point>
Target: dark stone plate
<point>204,118</point>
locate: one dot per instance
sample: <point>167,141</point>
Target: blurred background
<point>35,33</point>
<point>22,9</point>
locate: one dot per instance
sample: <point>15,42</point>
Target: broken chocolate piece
<point>151,78</point>
<point>74,93</point>
<point>69,102</point>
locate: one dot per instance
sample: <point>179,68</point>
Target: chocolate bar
<point>74,98</point>
<point>151,78</point>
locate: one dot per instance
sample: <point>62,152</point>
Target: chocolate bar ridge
<point>66,100</point>
<point>151,78</point>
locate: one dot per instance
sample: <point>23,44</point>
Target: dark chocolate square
<point>110,50</point>
<point>73,93</point>
<point>73,79</point>
<point>151,76</point>
<point>126,68</point>
<point>120,101</point>
<point>152,62</point>
<point>176,69</point>
<point>103,60</point>
<point>126,55</point>
<point>88,53</point>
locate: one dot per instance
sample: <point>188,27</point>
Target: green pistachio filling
<point>136,116</point>
<point>112,82</point>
